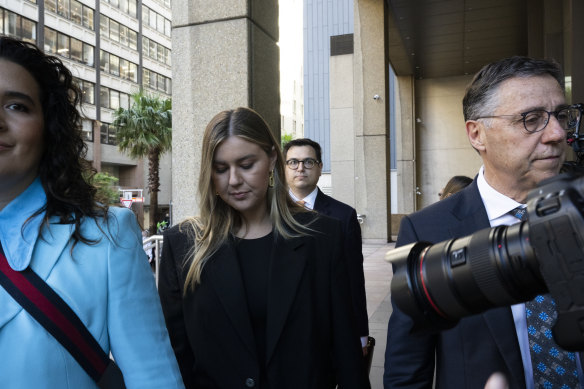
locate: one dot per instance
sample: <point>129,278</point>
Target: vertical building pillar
<point>224,55</point>
<point>342,130</point>
<point>371,120</point>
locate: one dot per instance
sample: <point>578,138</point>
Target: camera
<point>438,284</point>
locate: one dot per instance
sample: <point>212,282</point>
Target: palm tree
<point>144,130</point>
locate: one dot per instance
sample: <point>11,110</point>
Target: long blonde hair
<point>217,220</point>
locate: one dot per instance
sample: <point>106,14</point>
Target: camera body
<point>439,284</point>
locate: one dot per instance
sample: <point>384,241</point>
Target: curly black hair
<point>64,172</point>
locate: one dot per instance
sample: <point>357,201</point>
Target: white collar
<point>496,204</point>
<point>308,200</point>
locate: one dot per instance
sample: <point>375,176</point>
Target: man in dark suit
<point>304,167</point>
<point>514,112</point>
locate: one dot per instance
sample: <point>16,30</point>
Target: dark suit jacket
<point>352,246</point>
<point>309,323</point>
<point>479,345</point>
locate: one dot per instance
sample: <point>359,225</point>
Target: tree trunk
<point>153,187</point>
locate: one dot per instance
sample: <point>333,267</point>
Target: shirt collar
<point>496,204</point>
<point>18,241</point>
<point>308,200</point>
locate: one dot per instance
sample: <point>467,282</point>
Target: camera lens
<point>439,284</point>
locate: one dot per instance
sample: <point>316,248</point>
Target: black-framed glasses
<point>308,163</point>
<point>537,119</point>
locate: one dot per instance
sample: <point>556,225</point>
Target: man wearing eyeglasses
<point>517,120</point>
<point>303,168</point>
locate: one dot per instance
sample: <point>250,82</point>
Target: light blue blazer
<point>111,288</point>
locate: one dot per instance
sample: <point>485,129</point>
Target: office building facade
<point>113,48</point>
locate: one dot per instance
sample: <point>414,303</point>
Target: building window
<point>88,54</point>
<point>16,26</point>
<point>63,45</point>
<point>88,18</point>
<point>63,8</point>
<point>108,134</point>
<point>156,21</point>
<point>118,33</point>
<point>126,6</point>
<point>73,10</point>
<point>87,91</point>
<point>104,99</point>
<point>51,5</point>
<point>87,130</point>
<point>77,12</point>
<point>155,51</point>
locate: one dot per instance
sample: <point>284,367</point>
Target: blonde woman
<point>254,290</point>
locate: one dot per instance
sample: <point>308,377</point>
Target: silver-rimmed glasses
<point>537,119</point>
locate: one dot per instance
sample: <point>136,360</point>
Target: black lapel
<point>500,323</point>
<point>288,260</point>
<point>471,212</point>
<point>225,277</point>
<point>321,203</point>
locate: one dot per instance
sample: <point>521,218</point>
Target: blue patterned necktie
<point>552,367</point>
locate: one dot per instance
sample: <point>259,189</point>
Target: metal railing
<point>153,248</point>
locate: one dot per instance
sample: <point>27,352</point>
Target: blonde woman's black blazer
<point>311,337</point>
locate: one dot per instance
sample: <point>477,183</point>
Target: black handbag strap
<point>55,315</point>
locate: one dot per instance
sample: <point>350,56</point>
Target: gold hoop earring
<point>271,179</point>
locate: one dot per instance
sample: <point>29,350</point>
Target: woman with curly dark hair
<point>50,224</point>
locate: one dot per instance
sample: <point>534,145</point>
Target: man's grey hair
<point>480,98</point>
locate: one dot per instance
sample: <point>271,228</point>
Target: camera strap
<point>55,315</point>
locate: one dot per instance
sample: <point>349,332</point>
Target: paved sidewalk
<point>377,285</point>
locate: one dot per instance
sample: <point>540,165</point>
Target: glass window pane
<point>133,72</point>
<point>115,3</point>
<point>88,17</point>
<point>168,57</point>
<point>145,77</point>
<point>161,83</point>
<point>145,15</point>
<point>104,61</point>
<point>112,138</point>
<point>104,97</point>
<point>88,90</point>
<point>152,83</point>
<point>2,21</point>
<point>51,5</point>
<point>114,65</point>
<point>104,26</point>
<point>124,68</point>
<point>161,53</point>
<point>153,49</point>
<point>124,6</point>
<point>63,45</point>
<point>168,86</point>
<point>124,35</point>
<point>114,31</point>
<point>28,30</point>
<point>124,101</point>
<point>160,24</point>
<point>63,8</point>
<point>87,129</point>
<point>167,27</point>
<point>132,39</point>
<point>50,40</point>
<point>114,99</point>
<point>76,11</point>
<point>132,8</point>
<point>153,16</point>
<point>11,23</point>
<point>103,133</point>
<point>88,54</point>
<point>76,50</point>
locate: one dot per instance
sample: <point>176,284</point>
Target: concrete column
<point>224,55</point>
<point>370,120</point>
<point>342,129</point>
<point>405,150</point>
